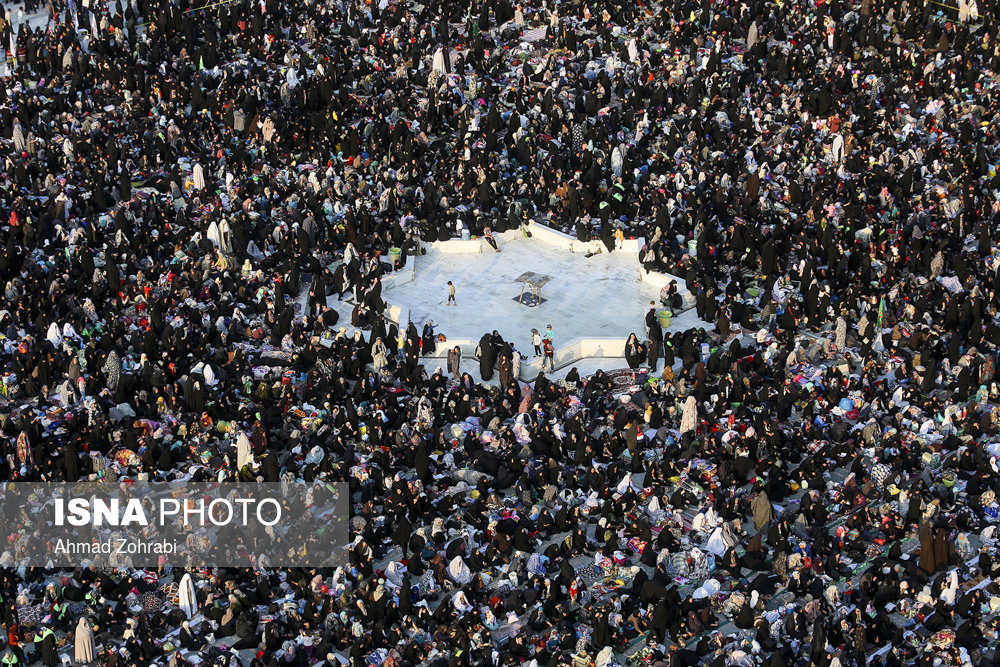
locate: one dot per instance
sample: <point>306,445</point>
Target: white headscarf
<point>244,452</point>
<point>54,336</point>
<point>394,574</point>
<point>461,602</point>
<point>83,646</point>
<point>689,419</point>
<point>459,571</point>
<point>214,235</point>
<point>719,542</point>
<point>187,600</point>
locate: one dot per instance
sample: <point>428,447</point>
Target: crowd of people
<point>190,193</point>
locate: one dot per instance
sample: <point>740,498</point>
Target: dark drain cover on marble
<point>528,300</point>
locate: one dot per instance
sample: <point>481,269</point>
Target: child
<point>451,295</point>
<point>548,332</point>
<point>550,352</point>
<point>536,340</point>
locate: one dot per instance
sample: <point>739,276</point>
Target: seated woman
<point>227,626</point>
<point>756,557</point>
<point>488,237</point>
<point>647,258</point>
<point>188,641</point>
<point>731,563</point>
